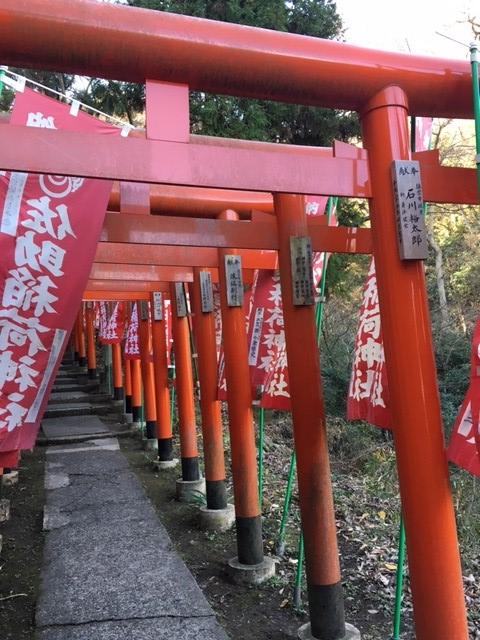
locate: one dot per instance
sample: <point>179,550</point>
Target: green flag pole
<point>261,453</point>
<point>475,59</point>
<point>399,579</point>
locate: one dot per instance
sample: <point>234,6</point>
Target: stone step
<point>68,367</point>
<point>59,410</point>
<point>76,386</point>
<point>61,382</point>
<point>73,427</point>
<point>75,397</point>
<point>69,387</point>
<point>78,396</point>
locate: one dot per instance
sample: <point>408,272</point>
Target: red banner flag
<point>464,448</point>
<point>102,320</point>
<point>274,377</point>
<point>368,391</point>
<point>132,345</point>
<point>221,379</point>
<point>47,244</point>
<point>114,329</point>
<point>167,310</point>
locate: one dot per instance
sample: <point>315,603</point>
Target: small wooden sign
<point>157,298</point>
<point>302,270</point>
<point>143,309</point>
<point>206,291</point>
<point>180,300</point>
<point>411,231</point>
<point>233,275</point>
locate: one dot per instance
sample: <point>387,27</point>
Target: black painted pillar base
<point>190,469</point>
<point>137,414</point>
<point>76,356</point>
<point>82,361</point>
<point>249,540</point>
<point>165,449</point>
<point>118,393</point>
<point>151,429</point>
<point>128,404</point>
<point>92,374</point>
<point>327,616</point>
<point>216,494</point>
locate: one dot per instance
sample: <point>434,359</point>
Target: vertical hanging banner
<point>221,379</point>
<point>49,230</point>
<point>114,330</point>
<point>167,310</point>
<point>218,318</point>
<point>368,390</point>
<point>464,447</point>
<point>132,345</point>
<point>272,367</point>
<point>102,320</point>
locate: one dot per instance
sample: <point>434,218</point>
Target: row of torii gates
<point>191,223</point>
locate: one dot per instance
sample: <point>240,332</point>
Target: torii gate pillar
<point>433,554</point>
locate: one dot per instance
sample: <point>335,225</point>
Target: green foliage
<point>120,99</point>
<point>260,119</point>
<point>6,98</point>
<point>453,367</point>
<point>60,82</point>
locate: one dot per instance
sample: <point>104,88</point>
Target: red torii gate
<point>117,42</point>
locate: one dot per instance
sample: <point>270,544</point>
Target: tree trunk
<point>440,278</point>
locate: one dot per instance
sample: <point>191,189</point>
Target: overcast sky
<point>409,24</point>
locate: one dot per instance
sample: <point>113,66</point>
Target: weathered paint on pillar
<point>212,428</point>
<point>240,420</point>
<point>128,385</point>
<point>325,596</point>
<point>433,554</point>
<point>136,370</point>
<point>145,342</point>
<point>162,394</point>
<point>91,346</point>
<point>185,394</point>
<point>82,347</point>
<point>118,390</point>
<point>76,341</point>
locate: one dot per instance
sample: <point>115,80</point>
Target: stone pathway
<point>110,570</point>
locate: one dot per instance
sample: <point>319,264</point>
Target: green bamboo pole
<point>475,59</point>
<point>261,450</point>
<point>280,548</point>
<point>400,574</point>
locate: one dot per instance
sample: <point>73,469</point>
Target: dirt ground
<point>367,532</point>
<point>263,613</point>
<point>21,556</point>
